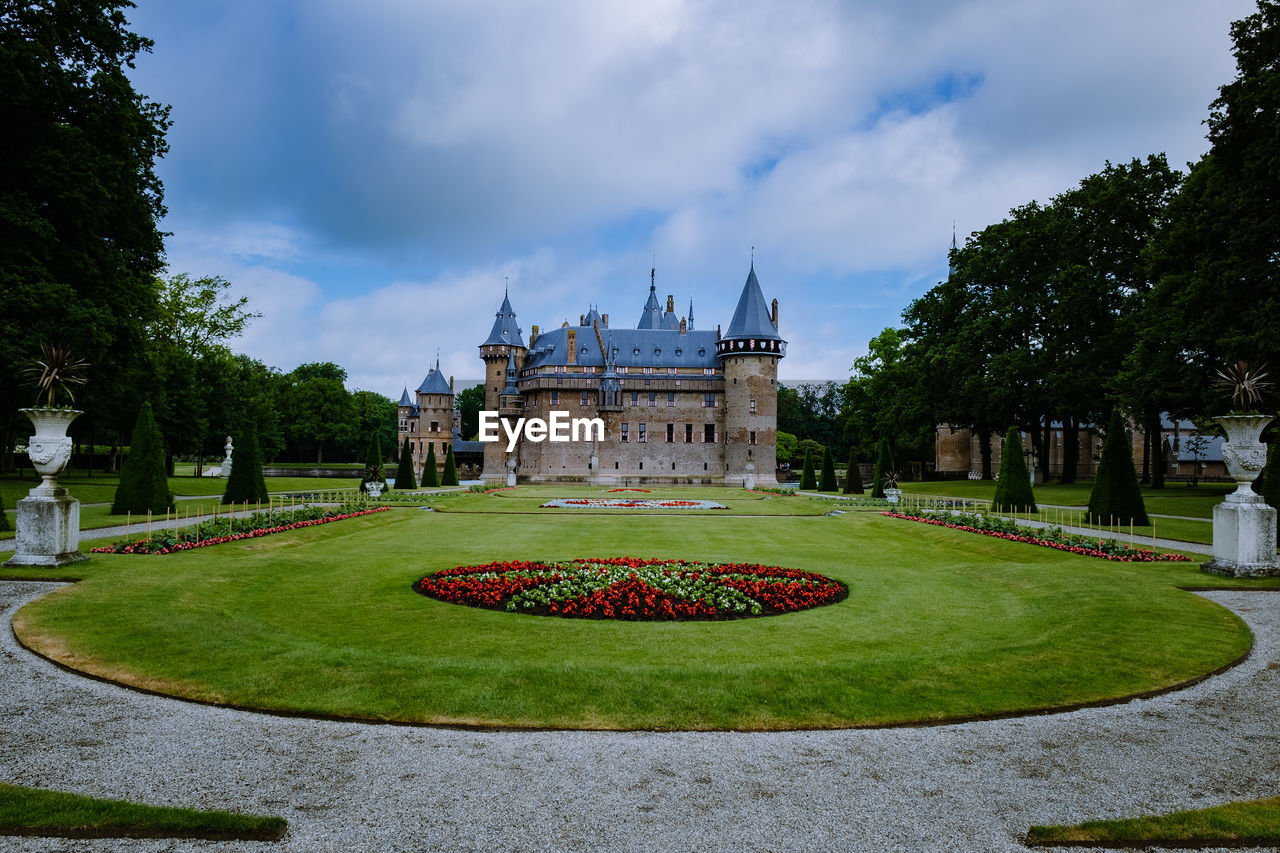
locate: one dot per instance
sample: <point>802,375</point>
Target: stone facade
<point>679,404</point>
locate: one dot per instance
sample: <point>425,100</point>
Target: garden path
<point>350,786</point>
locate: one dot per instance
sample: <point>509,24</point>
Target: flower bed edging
<point>628,503</point>
<point>1133,555</point>
<point>632,589</point>
<point>139,546</point>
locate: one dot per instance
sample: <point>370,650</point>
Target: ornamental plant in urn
<point>50,448</point>
<point>1244,452</point>
<point>1244,527</point>
<point>48,519</point>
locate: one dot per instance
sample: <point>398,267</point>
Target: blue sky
<point>371,175</point>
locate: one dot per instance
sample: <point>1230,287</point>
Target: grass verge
<point>1254,823</point>
<point>939,625</point>
<point>38,812</point>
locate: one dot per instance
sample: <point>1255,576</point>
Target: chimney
<point>450,382</point>
<point>582,319</point>
<point>533,336</point>
<point>717,331</point>
<point>684,326</point>
<point>775,314</point>
<point>572,346</point>
<point>604,320</point>
<point>671,304</point>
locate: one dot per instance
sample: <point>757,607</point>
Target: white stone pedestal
<point>1244,538</point>
<point>48,525</point>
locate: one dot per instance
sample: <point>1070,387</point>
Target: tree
<point>4,519</point>
<point>469,402</point>
<point>1116,495</point>
<point>853,477</point>
<point>80,201</point>
<point>808,482</point>
<point>143,484</point>
<point>372,463</point>
<point>319,413</point>
<point>828,483</point>
<point>404,473</point>
<point>1013,485</point>
<point>450,477</point>
<point>430,476</point>
<point>246,483</point>
<point>785,450</point>
<point>377,414</point>
<point>884,470</point>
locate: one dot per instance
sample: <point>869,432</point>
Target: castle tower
<point>749,351</point>
<point>503,349</point>
<point>435,417</point>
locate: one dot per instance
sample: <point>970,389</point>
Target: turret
<point>750,349</point>
<point>504,354</point>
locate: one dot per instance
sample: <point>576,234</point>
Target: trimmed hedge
<point>1116,495</point>
<point>404,473</point>
<point>1013,485</point>
<point>144,485</point>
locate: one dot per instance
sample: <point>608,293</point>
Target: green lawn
<point>32,811</point>
<point>528,499</point>
<point>939,624</point>
<point>1253,823</point>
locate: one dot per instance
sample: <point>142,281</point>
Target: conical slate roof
<point>505,330</point>
<point>752,319</point>
<point>404,398</point>
<point>435,383</point>
<point>652,316</point>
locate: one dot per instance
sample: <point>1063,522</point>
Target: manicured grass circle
<point>633,589</point>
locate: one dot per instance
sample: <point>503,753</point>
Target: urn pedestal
<point>48,519</point>
<point>1244,527</point>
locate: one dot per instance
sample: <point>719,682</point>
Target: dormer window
<point>679,351</point>
<point>702,351</point>
<point>657,351</point>
<point>635,351</point>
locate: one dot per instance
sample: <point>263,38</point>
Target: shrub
<point>828,483</point>
<point>404,473</point>
<point>1013,485</point>
<point>808,481</point>
<point>372,464</point>
<point>430,476</point>
<point>1116,495</point>
<point>450,477</point>
<point>143,484</point>
<point>246,484</point>
<point>853,477</point>
<point>884,468</point>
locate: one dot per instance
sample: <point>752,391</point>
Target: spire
<point>751,319</point>
<point>404,398</point>
<point>691,312</point>
<point>505,330</point>
<point>511,373</point>
<point>951,270</point>
<point>651,318</point>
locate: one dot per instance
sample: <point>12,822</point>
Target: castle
<point>679,404</point>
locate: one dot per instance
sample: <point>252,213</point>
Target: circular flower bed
<point>628,503</point>
<point>633,589</point>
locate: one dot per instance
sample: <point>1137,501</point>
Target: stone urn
<point>1244,527</point>
<point>1244,453</point>
<point>48,519</point>
<point>50,448</point>
<point>749,481</point>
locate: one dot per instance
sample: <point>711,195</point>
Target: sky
<point>373,175</point>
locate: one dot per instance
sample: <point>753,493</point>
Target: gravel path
<point>355,787</point>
